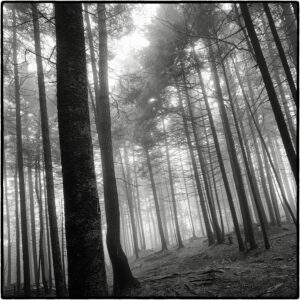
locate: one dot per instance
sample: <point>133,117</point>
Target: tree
<point>86,267</point>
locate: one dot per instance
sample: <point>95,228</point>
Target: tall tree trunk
<point>42,230</point>
<point>86,266</point>
<point>32,218</point>
<point>288,145</point>
<point>179,239</point>
<point>220,160</point>
<point>26,266</point>
<point>123,277</point>
<point>233,156</point>
<point>127,184</point>
<point>18,246</point>
<point>58,274</point>
<point>209,232</point>
<point>8,282</point>
<point>157,210</point>
<point>281,53</point>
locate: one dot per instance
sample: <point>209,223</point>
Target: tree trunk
<point>32,218</point>
<point>157,210</point>
<point>86,266</point>
<point>123,277</point>
<point>233,156</point>
<point>42,230</point>
<point>26,266</point>
<point>127,184</point>
<point>288,145</point>
<point>209,232</point>
<point>58,275</point>
<point>8,282</point>
<point>179,239</point>
<point>281,53</point>
<point>220,160</point>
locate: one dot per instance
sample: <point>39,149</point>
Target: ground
<point>221,271</point>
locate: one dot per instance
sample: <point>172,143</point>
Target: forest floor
<point>221,270</point>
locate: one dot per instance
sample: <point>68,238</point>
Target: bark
<point>220,160</point>
<point>233,157</point>
<point>179,239</point>
<point>86,266</point>
<point>288,145</point>
<point>26,266</point>
<point>127,184</point>
<point>8,282</point>
<point>123,277</point>
<point>282,56</point>
<point>58,274</point>
<point>195,169</point>
<point>157,210</point>
<point>32,218</point>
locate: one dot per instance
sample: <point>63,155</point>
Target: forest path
<point>220,270</point>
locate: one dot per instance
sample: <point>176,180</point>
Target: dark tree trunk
<point>8,282</point>
<point>58,274</point>
<point>288,145</point>
<point>32,218</point>
<point>209,232</point>
<point>86,266</point>
<point>281,53</point>
<point>179,239</point>
<point>221,163</point>
<point>123,277</point>
<point>26,266</point>
<point>233,156</point>
<point>157,210</point>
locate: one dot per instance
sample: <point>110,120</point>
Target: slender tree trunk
<point>32,218</point>
<point>127,184</point>
<point>8,282</point>
<point>179,239</point>
<point>220,160</point>
<point>86,266</point>
<point>58,275</point>
<point>288,145</point>
<point>195,169</point>
<point>26,266</point>
<point>121,272</point>
<point>42,230</point>
<point>233,156</point>
<point>157,210</point>
<point>18,246</point>
<point>281,53</point>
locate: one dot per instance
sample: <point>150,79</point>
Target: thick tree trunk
<point>58,274</point>
<point>179,239</point>
<point>86,266</point>
<point>32,219</point>
<point>233,156</point>
<point>26,266</point>
<point>288,145</point>
<point>220,160</point>
<point>123,277</point>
